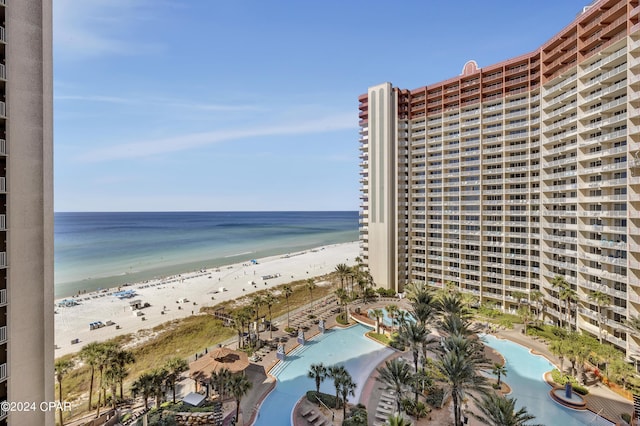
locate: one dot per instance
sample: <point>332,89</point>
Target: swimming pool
<point>386,319</point>
<point>348,347</point>
<point>525,377</point>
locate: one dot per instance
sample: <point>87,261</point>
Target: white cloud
<point>150,148</point>
<point>164,102</point>
<point>96,27</point>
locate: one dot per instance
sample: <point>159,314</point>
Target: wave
<point>239,254</point>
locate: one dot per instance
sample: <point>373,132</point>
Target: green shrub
<point>341,319</point>
<point>356,417</point>
<point>626,417</point>
<point>488,311</point>
<point>386,292</point>
<point>434,397</point>
<point>506,323</point>
<point>289,329</point>
<point>380,337</point>
<point>328,400</point>
<point>580,389</point>
<point>562,380</point>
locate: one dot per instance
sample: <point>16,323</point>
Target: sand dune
<point>184,295</point>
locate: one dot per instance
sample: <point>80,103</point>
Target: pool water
<point>525,377</point>
<point>386,319</point>
<point>348,347</point>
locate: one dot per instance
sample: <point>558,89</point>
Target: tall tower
<point>26,208</point>
<point>514,180</point>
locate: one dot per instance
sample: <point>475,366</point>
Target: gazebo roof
<point>219,358</point>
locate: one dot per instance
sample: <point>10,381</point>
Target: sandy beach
<point>183,295</point>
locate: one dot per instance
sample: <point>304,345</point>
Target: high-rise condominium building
<point>505,177</point>
<point>26,209</point>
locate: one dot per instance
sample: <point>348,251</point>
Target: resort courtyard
<point>386,343</point>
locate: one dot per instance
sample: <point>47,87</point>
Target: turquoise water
<point>348,347</point>
<point>525,377</point>
<point>102,250</point>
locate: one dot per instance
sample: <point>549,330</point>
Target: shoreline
<point>183,295</point>
<point>75,288</point>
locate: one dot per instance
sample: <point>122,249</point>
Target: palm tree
<point>451,304</point>
<point>525,315</point>
<point>347,387</point>
<point>89,354</point>
<point>568,295</point>
<point>239,385</point>
<point>559,348</point>
<point>318,372</point>
<point>500,411</point>
<point>607,353</point>
<point>121,358</point>
<point>396,375</point>
<point>369,293</point>
<point>175,367</point>
<point>420,381</point>
<point>362,284</point>
<point>402,317</point>
<point>287,292</point>
<point>311,286</point>
<point>158,380</point>
<point>518,295</point>
<point>499,370</point>
<point>377,314</point>
<point>343,271</point>
<point>112,376</point>
<point>537,298</point>
<point>460,360</point>
<point>62,367</point>
<point>392,313</point>
<point>353,276</point>
<point>413,335</point>
<point>240,318</point>
<point>601,300</point>
<point>559,283</point>
<point>415,291</point>
<point>256,302</point>
<point>453,324</point>
<point>143,386</point>
<point>103,357</point>
<point>270,300</point>
<point>220,380</point>
<point>343,298</point>
<point>335,372</point>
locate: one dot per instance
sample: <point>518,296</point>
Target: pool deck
<point>600,399</point>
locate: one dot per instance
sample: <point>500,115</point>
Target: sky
<point>250,105</point>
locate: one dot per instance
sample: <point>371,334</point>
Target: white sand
<point>203,288</point>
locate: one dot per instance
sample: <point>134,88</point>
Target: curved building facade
<point>502,178</point>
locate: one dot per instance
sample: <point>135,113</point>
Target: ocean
<point>103,250</point>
